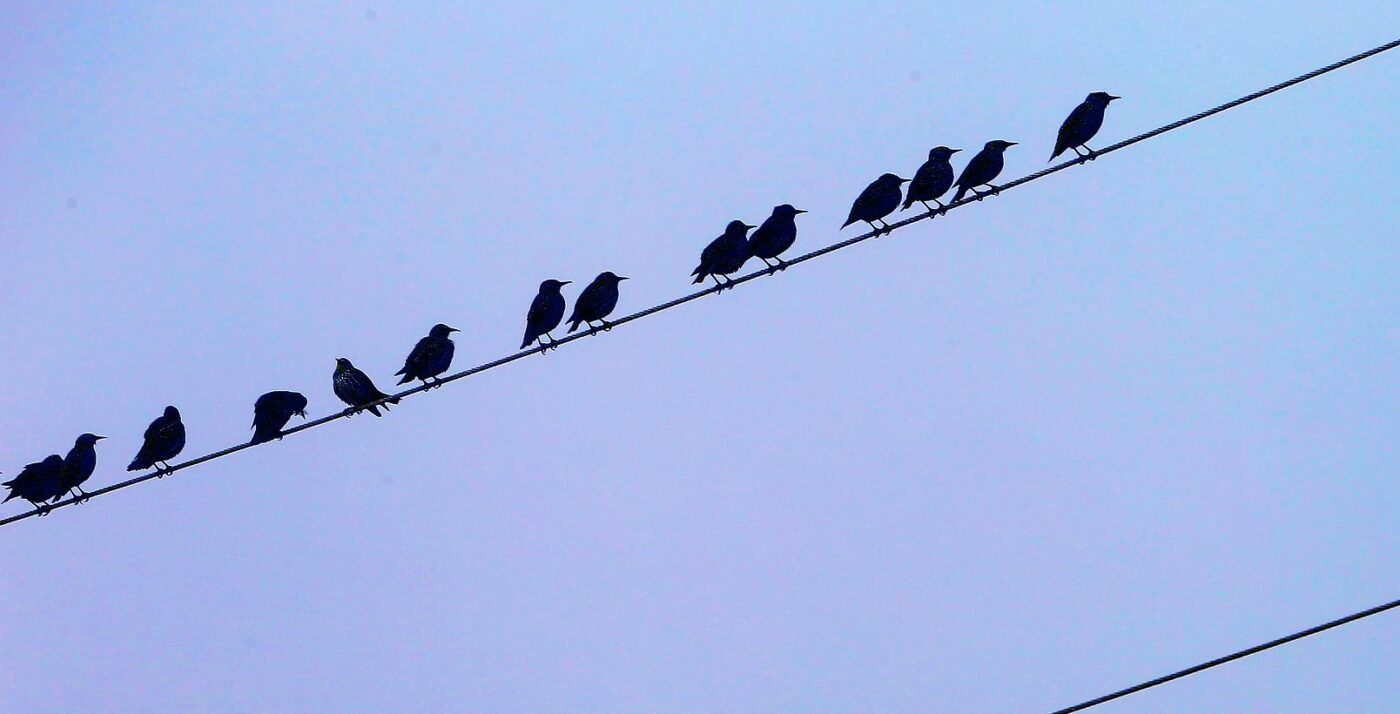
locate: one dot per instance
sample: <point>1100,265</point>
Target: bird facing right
<point>78,466</point>
<point>724,255</point>
<point>878,200</point>
<point>596,302</point>
<point>777,234</point>
<point>430,357</point>
<point>271,413</point>
<point>982,169</point>
<point>546,312</point>
<point>932,180</point>
<point>356,389</point>
<point>1081,125</point>
<point>163,440</point>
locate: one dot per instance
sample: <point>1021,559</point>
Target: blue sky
<point>1129,418</point>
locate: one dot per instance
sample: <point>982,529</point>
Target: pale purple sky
<point>1129,418</point>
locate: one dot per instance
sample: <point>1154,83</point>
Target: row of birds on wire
<point>57,477</point>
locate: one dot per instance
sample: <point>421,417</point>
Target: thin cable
<point>1230,657</point>
<point>736,281</point>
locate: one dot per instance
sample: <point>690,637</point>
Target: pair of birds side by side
<point>57,476</point>
<point>595,302</point>
<point>727,254</point>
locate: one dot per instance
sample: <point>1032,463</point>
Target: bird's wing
<point>1072,123</point>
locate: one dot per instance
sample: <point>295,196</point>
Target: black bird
<point>596,302</point>
<point>546,312</point>
<point>932,180</point>
<point>725,254</point>
<point>982,169</point>
<point>78,466</point>
<point>430,357</point>
<point>37,482</point>
<point>777,234</point>
<point>356,389</point>
<point>878,200</point>
<point>164,439</point>
<point>1082,124</point>
<point>272,411</point>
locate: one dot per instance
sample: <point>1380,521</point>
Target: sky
<point>1123,420</point>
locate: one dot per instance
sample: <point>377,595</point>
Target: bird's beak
<point>904,180</point>
<point>798,210</point>
<point>1011,143</point>
<point>954,151</point>
<point>564,282</point>
<point>749,227</point>
<point>621,278</point>
<point>99,438</point>
<point>453,329</point>
<point>1111,97</point>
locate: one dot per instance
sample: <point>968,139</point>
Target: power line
<point>744,279</point>
<point>1231,657</point>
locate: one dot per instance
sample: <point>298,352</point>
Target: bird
<point>78,466</point>
<point>546,312</point>
<point>596,302</point>
<point>356,389</point>
<point>430,357</point>
<point>164,439</point>
<point>724,255</point>
<point>932,180</point>
<point>37,482</point>
<point>1081,125</point>
<point>272,411</point>
<point>878,200</point>
<point>777,234</point>
<point>982,169</point>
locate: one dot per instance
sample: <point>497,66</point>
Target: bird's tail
<point>573,325</point>
<point>848,222</point>
<point>406,377</point>
<point>1058,150</point>
<point>526,342</point>
<point>962,191</point>
<point>261,435</point>
<point>907,203</point>
<point>139,464</point>
<point>699,278</point>
<point>13,494</point>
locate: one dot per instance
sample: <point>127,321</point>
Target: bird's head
<point>296,402</point>
<point>892,180</point>
<point>52,461</point>
<point>88,440</point>
<point>552,285</point>
<point>608,276</point>
<point>1000,145</point>
<point>786,211</point>
<point>737,228</point>
<point>172,413</point>
<point>440,330</point>
<point>1100,98</point>
<point>342,363</point>
<point>942,153</point>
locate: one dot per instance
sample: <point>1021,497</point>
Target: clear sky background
<point>1129,418</point>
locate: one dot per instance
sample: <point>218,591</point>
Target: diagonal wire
<point>1231,657</point>
<point>744,279</point>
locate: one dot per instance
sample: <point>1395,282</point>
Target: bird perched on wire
<point>777,234</point>
<point>271,413</point>
<point>596,302</point>
<point>356,389</point>
<point>430,357</point>
<point>982,169</point>
<point>932,180</point>
<point>163,440</point>
<point>878,200</point>
<point>78,466</point>
<point>1081,125</point>
<point>724,255</point>
<point>546,312</point>
<point>37,482</point>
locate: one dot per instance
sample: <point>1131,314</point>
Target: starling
<point>272,411</point>
<point>878,200</point>
<point>596,302</point>
<point>37,482</point>
<point>777,234</point>
<point>546,312</point>
<point>932,180</point>
<point>1082,124</point>
<point>430,357</point>
<point>724,255</point>
<point>78,466</point>
<point>164,438</point>
<point>982,169</point>
<point>355,388</point>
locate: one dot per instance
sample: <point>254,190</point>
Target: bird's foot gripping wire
<point>42,509</point>
<point>942,209</point>
<point>772,268</point>
<point>933,212</point>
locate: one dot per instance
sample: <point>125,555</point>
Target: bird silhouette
<point>878,200</point>
<point>430,357</point>
<point>37,482</point>
<point>932,180</point>
<point>596,302</point>
<point>546,312</point>
<point>163,440</point>
<point>724,255</point>
<point>982,169</point>
<point>356,389</point>
<point>1081,125</point>
<point>271,413</point>
<point>777,234</point>
<point>78,466</point>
